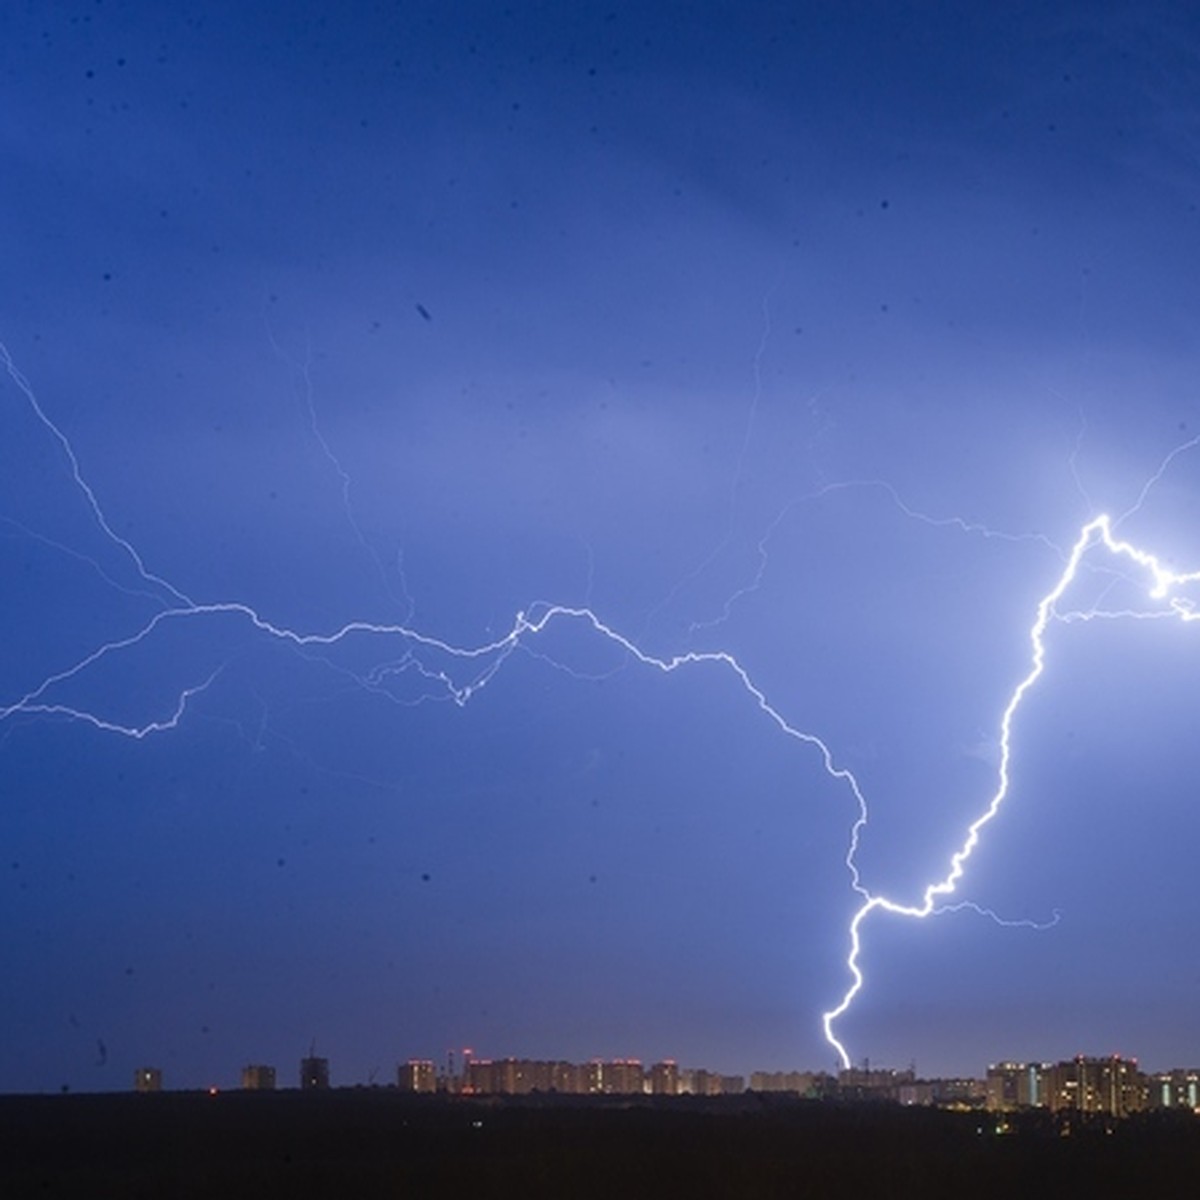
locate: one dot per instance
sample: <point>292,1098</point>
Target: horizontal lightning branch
<point>485,660</point>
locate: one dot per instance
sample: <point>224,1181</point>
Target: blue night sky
<point>807,334</point>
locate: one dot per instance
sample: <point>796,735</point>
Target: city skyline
<point>1006,1082</point>
<point>1111,1085</point>
<point>572,528</point>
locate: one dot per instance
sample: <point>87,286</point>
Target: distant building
<point>800,1082</point>
<point>256,1077</point>
<point>479,1078</point>
<point>147,1079</point>
<point>508,1077</point>
<point>1004,1080</point>
<point>918,1094</point>
<point>1179,1088</point>
<point>882,1083</point>
<point>524,1076</point>
<point>1111,1086</point>
<point>958,1093</point>
<point>594,1077</point>
<point>812,1085</point>
<point>520,1076</point>
<point>664,1079</point>
<point>615,1077</point>
<point>1013,1085</point>
<point>696,1081</point>
<point>623,1077</point>
<point>314,1074</point>
<point>417,1075</point>
<point>568,1079</point>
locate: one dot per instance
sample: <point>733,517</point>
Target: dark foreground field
<point>380,1143</point>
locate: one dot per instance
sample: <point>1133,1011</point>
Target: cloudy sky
<point>799,338</point>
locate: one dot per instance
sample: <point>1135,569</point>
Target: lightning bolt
<point>464,671</point>
<point>975,528</point>
<point>1097,532</point>
<point>81,483</point>
<point>302,374</point>
<point>993,916</point>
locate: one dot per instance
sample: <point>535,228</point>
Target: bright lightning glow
<point>466,670</point>
<point>1098,531</point>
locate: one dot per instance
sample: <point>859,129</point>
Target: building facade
<point>663,1079</point>
<point>1179,1088</point>
<point>314,1074</point>
<point>417,1075</point>
<point>258,1077</point>
<point>1110,1086</point>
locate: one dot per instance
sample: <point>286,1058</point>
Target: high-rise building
<point>1013,1085</point>
<point>568,1079</point>
<point>1004,1086</point>
<point>147,1079</point>
<point>417,1075</point>
<point>511,1080</point>
<point>1179,1088</point>
<point>257,1077</point>
<point>1112,1086</point>
<point>620,1077</point>
<point>623,1077</point>
<point>664,1078</point>
<point>479,1077</point>
<point>616,1077</point>
<point>523,1076</point>
<point>314,1074</point>
<point>700,1082</point>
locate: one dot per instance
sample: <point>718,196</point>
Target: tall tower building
<point>314,1074</point>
